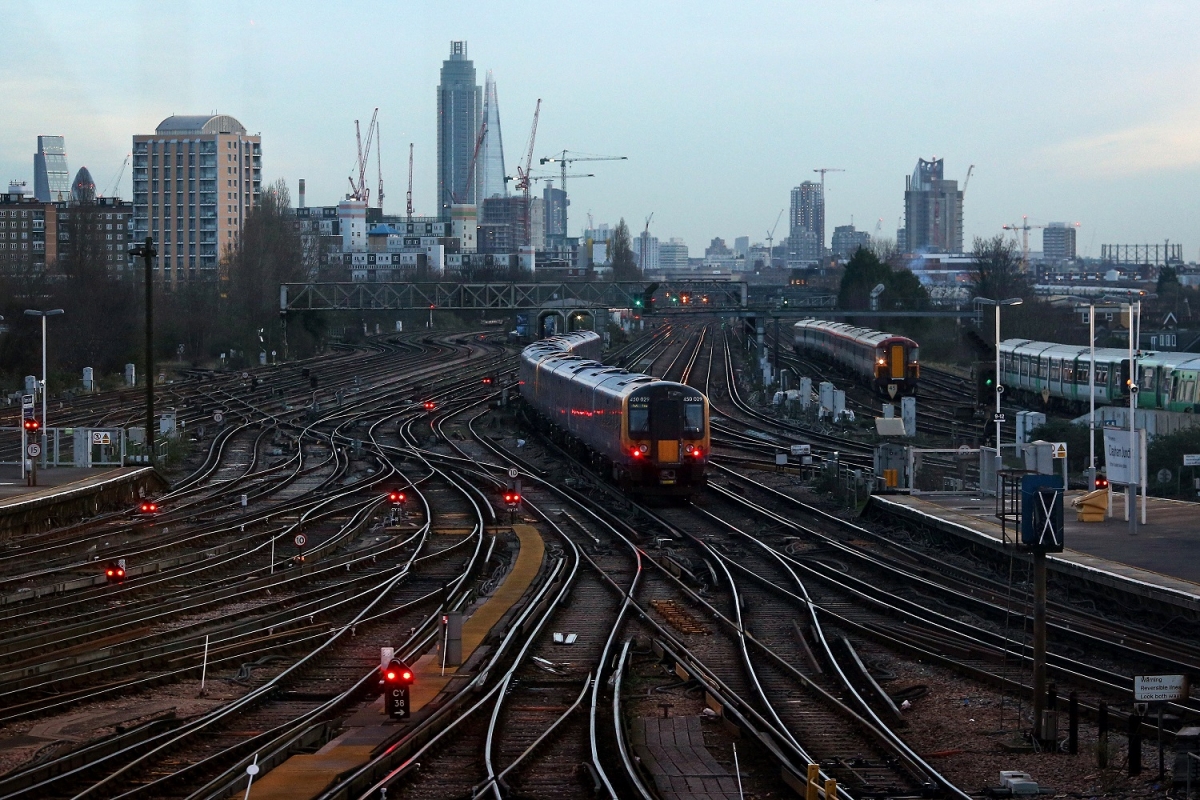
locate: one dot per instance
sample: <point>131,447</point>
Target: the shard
<point>51,180</point>
<point>491,153</point>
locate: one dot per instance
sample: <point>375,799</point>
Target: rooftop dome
<point>83,188</point>
<point>207,123</point>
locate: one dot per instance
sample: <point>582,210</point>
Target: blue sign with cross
<point>1042,512</point>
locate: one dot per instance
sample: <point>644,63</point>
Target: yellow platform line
<point>305,776</point>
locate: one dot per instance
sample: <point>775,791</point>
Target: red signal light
<point>406,676</point>
<point>32,425</point>
<point>149,508</point>
<point>391,675</point>
<point>430,405</point>
<point>396,498</point>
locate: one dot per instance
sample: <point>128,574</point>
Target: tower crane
<point>523,176</point>
<point>410,163</point>
<point>359,190</point>
<point>455,196</point>
<point>771,239</point>
<point>116,184</point>
<point>967,180</point>
<point>563,158</point>
<point>379,162</point>
<point>645,242</point>
<point>823,170</point>
<point>1024,228</point>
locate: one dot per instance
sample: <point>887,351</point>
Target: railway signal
<point>31,425</point>
<point>985,383</point>
<point>430,405</point>
<point>396,498</point>
<point>148,507</point>
<point>397,677</point>
<point>114,571</point>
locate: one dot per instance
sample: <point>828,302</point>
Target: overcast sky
<point>1082,112</point>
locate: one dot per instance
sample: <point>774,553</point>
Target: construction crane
<point>967,180</point>
<point>771,239</point>
<point>563,158</point>
<point>645,244</point>
<point>116,184</point>
<point>459,198</point>
<point>379,162</point>
<point>536,178</point>
<point>410,163</point>
<point>823,170</point>
<point>359,190</point>
<point>1024,228</point>
<point>523,176</point>
<point>878,226</point>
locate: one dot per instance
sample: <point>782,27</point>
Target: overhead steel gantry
<point>721,295</point>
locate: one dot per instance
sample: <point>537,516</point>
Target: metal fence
<point>67,447</point>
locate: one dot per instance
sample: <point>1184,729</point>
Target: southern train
<point>889,364</point>
<point>1057,375</point>
<point>650,436</point>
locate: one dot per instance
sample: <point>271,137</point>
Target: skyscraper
<point>556,203</point>
<point>460,113</point>
<point>194,181</point>
<point>51,180</point>
<point>491,153</point>
<point>807,223</point>
<point>933,210</point>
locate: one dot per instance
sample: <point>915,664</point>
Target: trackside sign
<point>1159,688</point>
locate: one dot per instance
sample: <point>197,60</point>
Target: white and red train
<point>888,363</point>
<point>651,436</point>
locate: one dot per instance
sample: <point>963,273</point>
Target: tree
<point>624,265</point>
<point>997,270</point>
<point>864,271</point>
<point>269,253</point>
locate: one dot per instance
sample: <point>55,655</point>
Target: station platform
<point>65,494</point>
<point>305,776</point>
<point>1161,562</point>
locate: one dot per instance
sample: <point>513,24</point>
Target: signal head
<point>430,405</point>
<point>32,424</point>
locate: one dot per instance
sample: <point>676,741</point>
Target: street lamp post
<point>147,253</point>
<point>43,314</point>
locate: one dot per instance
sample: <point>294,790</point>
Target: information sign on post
<point>1191,459</point>
<point>1160,688</point>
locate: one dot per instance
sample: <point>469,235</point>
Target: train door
<point>666,428</point>
<point>898,362</point>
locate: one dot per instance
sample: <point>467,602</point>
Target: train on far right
<point>1058,375</point>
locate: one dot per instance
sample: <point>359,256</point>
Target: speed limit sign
<point>301,540</point>
<point>218,417</point>
<point>34,450</point>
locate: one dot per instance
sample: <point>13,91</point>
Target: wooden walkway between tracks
<point>305,776</point>
<point>672,750</point>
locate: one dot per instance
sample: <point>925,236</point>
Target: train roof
<point>1030,347</point>
<point>865,335</point>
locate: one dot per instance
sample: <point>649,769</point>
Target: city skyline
<point>1083,128</point>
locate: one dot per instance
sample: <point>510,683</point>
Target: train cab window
<point>639,420</point>
<point>1148,381</point>
<point>914,355</point>
<point>693,423</point>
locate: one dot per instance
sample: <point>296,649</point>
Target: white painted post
<point>204,666</point>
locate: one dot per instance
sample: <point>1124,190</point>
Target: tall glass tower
<point>51,181</point>
<point>491,154</point>
<point>460,112</point>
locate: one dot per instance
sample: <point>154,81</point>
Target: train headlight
<point>644,448</point>
<point>689,449</point>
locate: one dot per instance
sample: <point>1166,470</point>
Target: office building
<point>51,180</point>
<point>673,255</point>
<point>491,151</point>
<point>741,246</point>
<point>646,252</point>
<point>933,210</point>
<point>502,224</point>
<point>83,188</point>
<point>537,223</point>
<point>1058,242</point>
<point>460,113</point>
<point>847,240</point>
<point>807,223</point>
<point>195,179</point>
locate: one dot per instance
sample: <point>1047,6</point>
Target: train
<point>1057,376</point>
<point>650,436</point>
<point>889,364</point>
